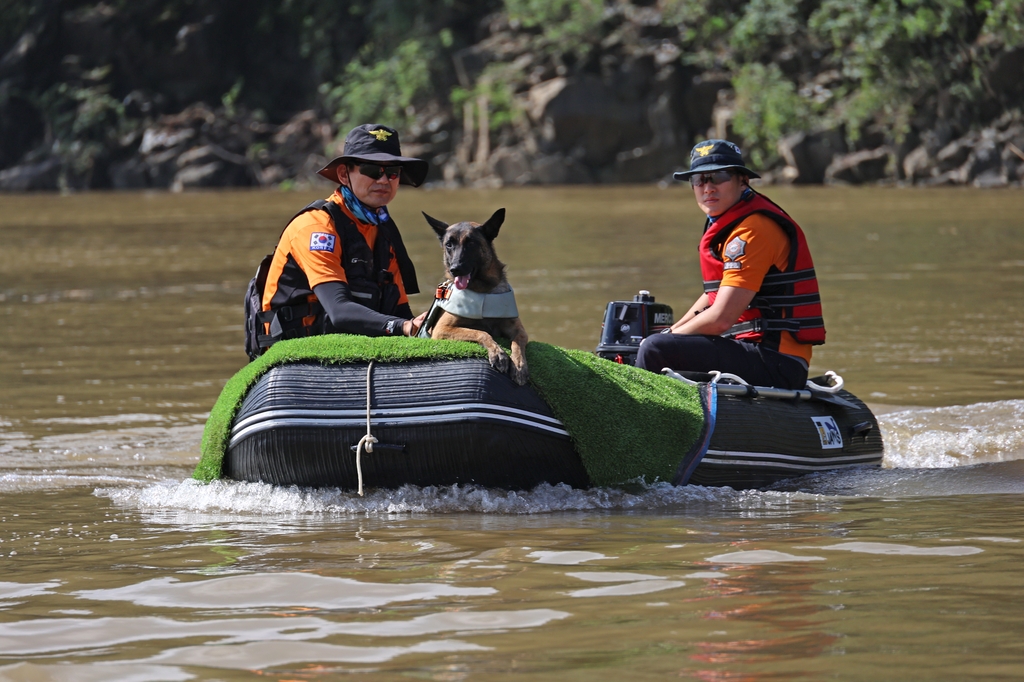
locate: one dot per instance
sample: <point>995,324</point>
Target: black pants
<point>699,353</point>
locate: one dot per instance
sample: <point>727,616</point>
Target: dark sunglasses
<point>375,171</point>
<point>716,178</point>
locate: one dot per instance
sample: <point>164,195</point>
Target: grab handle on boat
<point>742,388</point>
<point>669,372</point>
<point>862,429</point>
<point>835,386</point>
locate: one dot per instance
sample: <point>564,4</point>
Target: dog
<point>478,304</point>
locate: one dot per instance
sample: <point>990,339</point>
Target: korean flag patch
<point>321,241</point>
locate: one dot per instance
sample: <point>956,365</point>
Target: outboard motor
<point>627,323</point>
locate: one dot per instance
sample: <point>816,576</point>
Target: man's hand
<point>728,306</point>
<point>412,327</point>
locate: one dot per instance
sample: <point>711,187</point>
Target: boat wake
<point>961,435</point>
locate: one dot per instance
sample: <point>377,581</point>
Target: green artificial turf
<point>625,423</point>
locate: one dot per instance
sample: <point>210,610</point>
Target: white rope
<point>835,385</point>
<point>367,441</point>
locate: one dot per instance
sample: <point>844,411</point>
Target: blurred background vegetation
<point>77,76</point>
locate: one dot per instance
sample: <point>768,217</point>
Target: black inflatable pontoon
<point>436,423</point>
<point>763,435</point>
<point>459,421</point>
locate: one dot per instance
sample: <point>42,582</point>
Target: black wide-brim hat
<point>712,155</point>
<point>374,143</point>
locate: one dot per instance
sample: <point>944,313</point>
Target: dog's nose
<point>459,269</point>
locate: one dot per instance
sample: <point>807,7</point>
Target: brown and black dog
<point>470,262</point>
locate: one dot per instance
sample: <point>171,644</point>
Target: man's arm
<point>349,317</point>
<point>699,305</point>
<point>730,302</point>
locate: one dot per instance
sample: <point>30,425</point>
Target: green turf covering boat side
<point>626,423</point>
<point>329,349</point>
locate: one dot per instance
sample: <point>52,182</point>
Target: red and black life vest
<point>787,300</point>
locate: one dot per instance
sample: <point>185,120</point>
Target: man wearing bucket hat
<point>760,313</point>
<point>340,264</point>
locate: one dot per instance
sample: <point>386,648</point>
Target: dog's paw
<point>520,374</point>
<point>499,360</point>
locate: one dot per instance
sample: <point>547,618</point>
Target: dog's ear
<point>493,224</point>
<point>439,227</point>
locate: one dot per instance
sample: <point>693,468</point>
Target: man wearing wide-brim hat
<point>760,313</point>
<point>340,265</point>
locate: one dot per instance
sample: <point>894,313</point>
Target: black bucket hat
<point>374,143</point>
<point>712,155</point>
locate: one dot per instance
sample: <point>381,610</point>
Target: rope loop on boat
<point>367,441</point>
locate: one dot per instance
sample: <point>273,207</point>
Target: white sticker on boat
<point>828,431</point>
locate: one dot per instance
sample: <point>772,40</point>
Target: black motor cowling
<point>627,323</point>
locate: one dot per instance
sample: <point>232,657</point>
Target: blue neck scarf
<point>362,212</point>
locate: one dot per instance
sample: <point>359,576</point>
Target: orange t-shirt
<point>765,245</point>
<point>315,245</point>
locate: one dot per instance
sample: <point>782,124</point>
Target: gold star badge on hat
<point>381,134</point>
<point>703,151</point>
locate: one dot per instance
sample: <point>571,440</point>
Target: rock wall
<point>130,107</point>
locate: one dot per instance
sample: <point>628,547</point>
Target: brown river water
<point>120,321</point>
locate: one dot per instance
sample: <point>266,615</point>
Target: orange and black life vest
<point>294,310</point>
<point>787,301</point>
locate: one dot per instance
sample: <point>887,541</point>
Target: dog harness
<point>469,304</point>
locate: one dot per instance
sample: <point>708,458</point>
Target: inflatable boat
<point>304,419</point>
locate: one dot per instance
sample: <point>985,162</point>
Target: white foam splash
<point>962,435</point>
<point>263,499</point>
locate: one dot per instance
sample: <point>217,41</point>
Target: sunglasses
<point>716,178</point>
<point>375,171</point>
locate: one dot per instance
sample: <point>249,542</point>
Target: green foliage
<point>765,24</point>
<point>768,107</point>
<point>704,27</point>
<point>496,83</point>
<point>83,120</point>
<point>894,53</point>
<point>573,15</point>
<point>1004,21</point>
<point>230,98</point>
<point>567,26</point>
<point>381,90</point>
